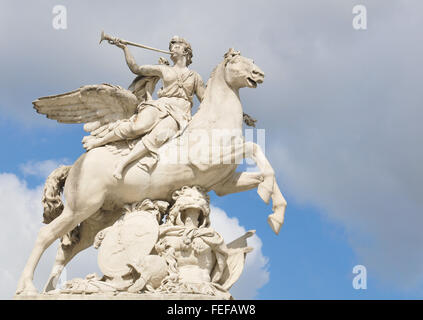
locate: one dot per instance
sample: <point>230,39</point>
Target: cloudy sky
<point>341,109</point>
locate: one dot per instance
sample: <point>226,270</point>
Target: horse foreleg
<point>236,153</point>
<point>238,182</point>
<point>268,188</point>
<point>254,152</point>
<point>276,219</point>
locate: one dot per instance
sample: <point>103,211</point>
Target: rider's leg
<point>143,122</point>
<point>161,133</point>
<point>136,153</point>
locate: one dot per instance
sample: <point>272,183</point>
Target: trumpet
<point>113,40</point>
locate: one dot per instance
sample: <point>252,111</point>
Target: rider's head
<point>179,46</point>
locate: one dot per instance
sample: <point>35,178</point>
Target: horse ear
<point>228,54</point>
<point>231,53</point>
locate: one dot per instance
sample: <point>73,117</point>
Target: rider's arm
<point>145,70</point>
<point>199,88</point>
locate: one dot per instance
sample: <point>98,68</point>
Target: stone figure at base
<point>183,255</point>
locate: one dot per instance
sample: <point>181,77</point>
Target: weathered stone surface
<point>127,242</point>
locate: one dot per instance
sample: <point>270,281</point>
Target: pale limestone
<point>130,164</point>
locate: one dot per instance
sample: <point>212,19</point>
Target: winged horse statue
<point>94,198</point>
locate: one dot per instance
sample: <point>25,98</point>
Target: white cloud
<point>255,274</point>
<point>21,215</point>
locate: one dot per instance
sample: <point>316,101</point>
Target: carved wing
<point>95,105</point>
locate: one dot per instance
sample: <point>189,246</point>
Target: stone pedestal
<point>121,296</point>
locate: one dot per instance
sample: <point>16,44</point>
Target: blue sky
<point>341,109</point>
<point>310,259</point>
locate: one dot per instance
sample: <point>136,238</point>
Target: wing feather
<point>95,105</point>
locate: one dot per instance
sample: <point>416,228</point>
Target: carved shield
<point>126,242</point>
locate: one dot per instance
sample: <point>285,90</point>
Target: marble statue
<point>144,155</point>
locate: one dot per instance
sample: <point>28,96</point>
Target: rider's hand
<point>119,44</point>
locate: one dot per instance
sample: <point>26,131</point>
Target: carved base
<point>121,296</point>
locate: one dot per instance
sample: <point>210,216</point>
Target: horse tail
<point>52,201</point>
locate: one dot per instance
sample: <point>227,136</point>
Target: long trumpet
<point>113,40</point>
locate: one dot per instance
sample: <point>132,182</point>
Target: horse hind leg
<point>46,236</point>
<point>87,232</point>
<point>65,253</point>
<point>56,229</point>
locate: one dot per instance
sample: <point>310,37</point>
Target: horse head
<point>240,72</point>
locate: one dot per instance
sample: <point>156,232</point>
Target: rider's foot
<point>118,173</point>
<point>91,144</point>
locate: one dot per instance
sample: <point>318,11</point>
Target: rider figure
<point>159,120</point>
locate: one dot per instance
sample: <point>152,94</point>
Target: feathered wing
<point>101,107</point>
<point>98,106</point>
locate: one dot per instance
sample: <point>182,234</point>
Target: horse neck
<point>221,107</point>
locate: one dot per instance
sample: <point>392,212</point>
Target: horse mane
<point>227,57</point>
<point>213,72</point>
<point>212,75</point>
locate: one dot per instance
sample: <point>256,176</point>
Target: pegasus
<point>94,198</point>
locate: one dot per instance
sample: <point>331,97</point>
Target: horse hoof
<point>26,288</point>
<point>137,286</point>
<point>51,284</point>
<point>264,193</point>
<point>274,223</point>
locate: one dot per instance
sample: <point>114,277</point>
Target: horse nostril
<point>258,73</point>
